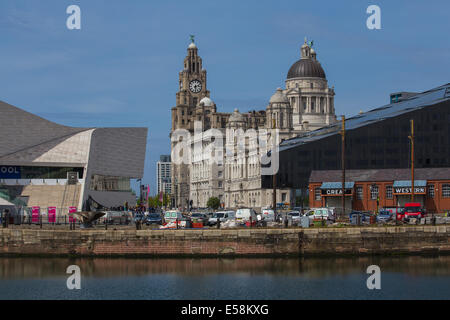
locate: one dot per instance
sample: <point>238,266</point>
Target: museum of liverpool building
<point>44,164</point>
<point>377,157</point>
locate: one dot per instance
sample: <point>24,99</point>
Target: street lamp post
<point>140,191</point>
<point>343,163</point>
<point>411,137</point>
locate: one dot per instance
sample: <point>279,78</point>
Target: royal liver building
<point>230,168</point>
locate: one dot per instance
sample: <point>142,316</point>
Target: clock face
<point>195,86</point>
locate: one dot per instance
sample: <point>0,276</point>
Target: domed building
<point>306,104</point>
<point>310,98</point>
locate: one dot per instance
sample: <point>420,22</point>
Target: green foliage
<point>154,202</point>
<point>213,203</point>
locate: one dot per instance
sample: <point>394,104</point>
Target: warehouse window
<point>317,194</point>
<point>359,192</point>
<point>388,192</point>
<point>374,192</point>
<point>431,190</point>
<point>446,190</point>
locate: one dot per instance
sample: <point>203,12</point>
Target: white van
<point>173,215</point>
<point>222,215</point>
<point>243,215</point>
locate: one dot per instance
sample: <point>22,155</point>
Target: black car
<point>153,218</point>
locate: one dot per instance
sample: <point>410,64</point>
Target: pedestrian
<point>6,218</point>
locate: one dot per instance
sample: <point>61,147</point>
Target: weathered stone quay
<point>229,242</point>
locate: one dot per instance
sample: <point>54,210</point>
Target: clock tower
<point>192,89</point>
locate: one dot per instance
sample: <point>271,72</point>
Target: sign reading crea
<point>336,192</point>
<point>407,190</point>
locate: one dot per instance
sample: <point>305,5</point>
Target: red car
<point>397,212</point>
<point>413,210</point>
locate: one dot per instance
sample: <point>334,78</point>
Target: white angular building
<point>45,164</point>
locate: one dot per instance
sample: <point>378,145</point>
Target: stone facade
<point>306,104</point>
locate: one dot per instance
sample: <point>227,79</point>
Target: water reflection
<point>39,268</point>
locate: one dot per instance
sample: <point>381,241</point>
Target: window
<point>219,173</point>
<point>446,190</point>
<point>374,192</point>
<point>359,192</point>
<point>220,184</point>
<point>431,190</point>
<point>388,192</point>
<point>317,194</point>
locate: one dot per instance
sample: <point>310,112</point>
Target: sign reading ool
<point>9,172</point>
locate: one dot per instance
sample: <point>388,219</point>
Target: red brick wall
<point>437,204</point>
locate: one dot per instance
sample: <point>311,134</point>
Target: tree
<point>213,202</point>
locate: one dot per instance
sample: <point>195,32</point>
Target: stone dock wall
<point>238,242</point>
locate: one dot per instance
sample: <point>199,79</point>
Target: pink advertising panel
<point>51,214</point>
<point>35,212</point>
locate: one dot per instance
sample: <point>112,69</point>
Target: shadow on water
<point>41,268</point>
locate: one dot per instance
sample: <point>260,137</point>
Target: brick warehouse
<point>392,187</point>
<point>375,139</point>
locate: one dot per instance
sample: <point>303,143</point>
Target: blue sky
<point>121,68</point>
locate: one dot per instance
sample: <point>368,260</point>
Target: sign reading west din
<point>407,190</point>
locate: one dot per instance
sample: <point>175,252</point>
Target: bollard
<point>176,221</point>
<point>218,223</point>
<point>106,224</point>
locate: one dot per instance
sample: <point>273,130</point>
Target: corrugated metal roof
<point>407,183</point>
<point>419,101</point>
<point>336,185</point>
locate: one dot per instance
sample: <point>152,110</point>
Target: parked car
<point>198,217</point>
<point>222,216</point>
<point>294,217</point>
<point>320,214</point>
<point>139,217</point>
<point>364,216</point>
<point>244,215</point>
<point>413,210</point>
<point>384,216</point>
<point>117,217</point>
<point>397,212</point>
<point>153,218</point>
<point>268,214</point>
